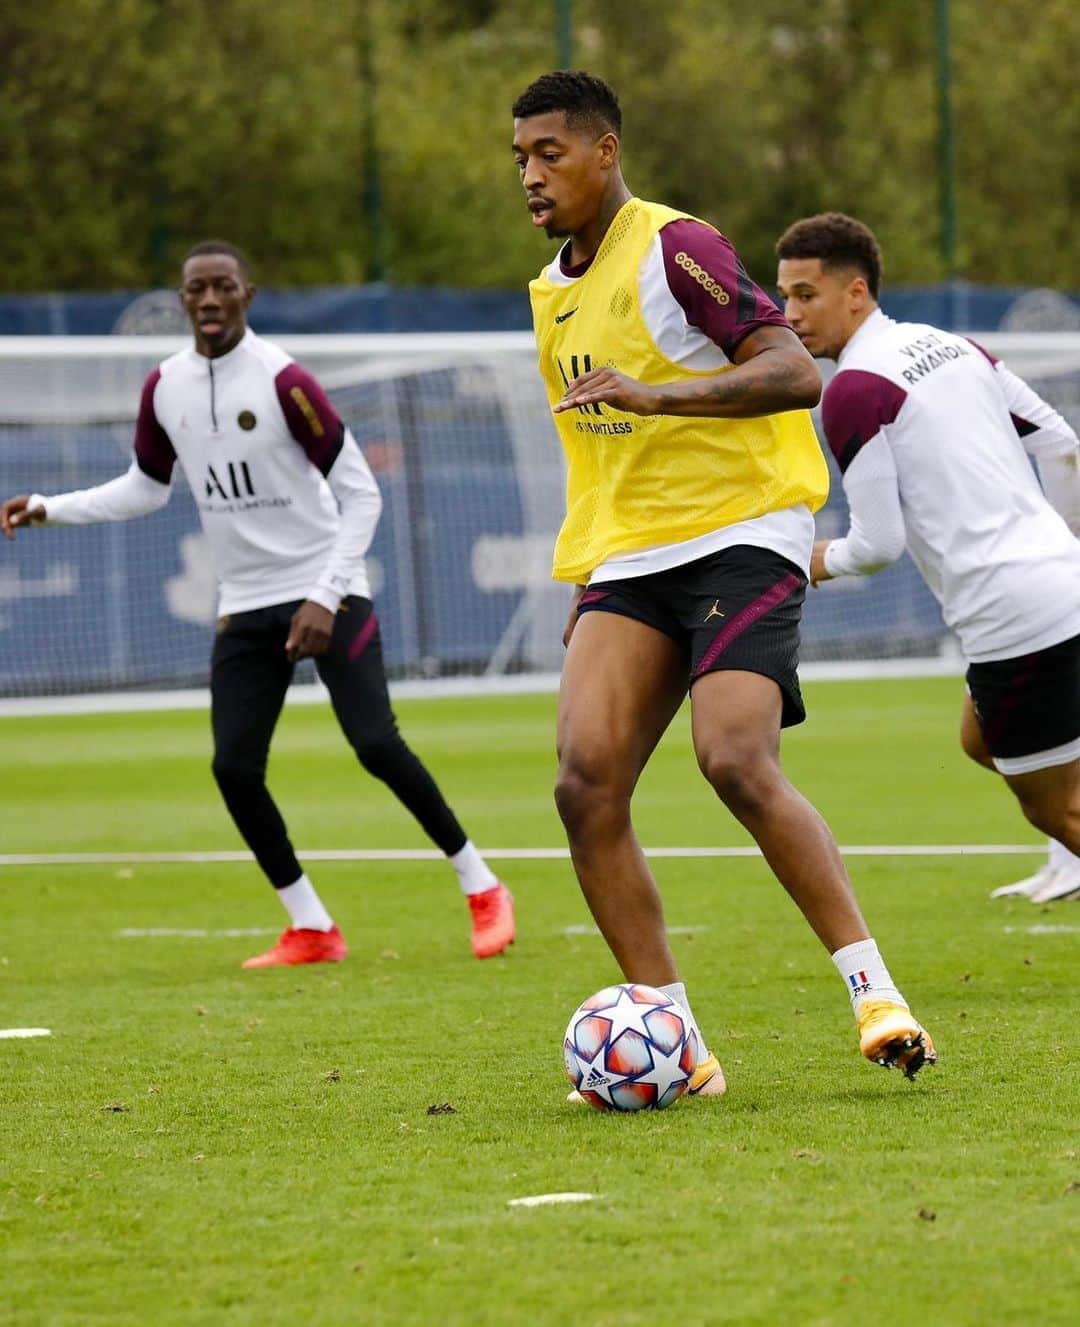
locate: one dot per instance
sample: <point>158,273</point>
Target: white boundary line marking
<point>191,933</point>
<point>548,1199</point>
<point>581,928</point>
<point>1041,930</point>
<point>301,693</point>
<point>503,854</point>
<point>521,684</point>
<point>12,1034</point>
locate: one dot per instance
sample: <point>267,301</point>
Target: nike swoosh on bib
<point>562,317</point>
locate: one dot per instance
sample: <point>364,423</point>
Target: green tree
<point>131,129</point>
<point>73,125</point>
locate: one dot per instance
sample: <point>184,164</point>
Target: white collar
<point>219,361</point>
<point>869,327</point>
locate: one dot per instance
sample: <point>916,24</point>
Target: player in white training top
<point>933,436</point>
<point>289,506</point>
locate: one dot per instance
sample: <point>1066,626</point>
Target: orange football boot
<point>301,946</point>
<point>492,920</point>
<point>890,1036</point>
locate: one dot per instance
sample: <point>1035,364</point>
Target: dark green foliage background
<point>132,128</point>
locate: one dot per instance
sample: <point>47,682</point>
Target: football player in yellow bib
<point>681,399</point>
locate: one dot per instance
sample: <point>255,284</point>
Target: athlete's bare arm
<point>772,373</point>
<point>16,512</point>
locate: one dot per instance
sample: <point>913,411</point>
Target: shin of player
<point>289,506</point>
<point>680,395</point>
<point>933,436</point>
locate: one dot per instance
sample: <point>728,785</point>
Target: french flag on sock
<point>860,983</point>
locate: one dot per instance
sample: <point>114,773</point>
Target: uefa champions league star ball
<point>630,1047</point>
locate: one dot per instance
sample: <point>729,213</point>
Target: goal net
<point>458,432</point>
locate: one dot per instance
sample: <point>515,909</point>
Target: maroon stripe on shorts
<point>730,631</point>
<point>359,642</point>
<point>592,597</point>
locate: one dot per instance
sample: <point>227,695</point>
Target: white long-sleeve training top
<point>930,432</point>
<point>285,496</point>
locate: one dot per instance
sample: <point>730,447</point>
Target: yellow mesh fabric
<point>634,481</point>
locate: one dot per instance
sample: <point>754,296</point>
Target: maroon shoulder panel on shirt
<point>311,418</point>
<point>706,276</point>
<point>154,453</point>
<point>982,350</point>
<point>856,407</point>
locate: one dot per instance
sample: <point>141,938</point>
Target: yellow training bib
<point>636,481</point>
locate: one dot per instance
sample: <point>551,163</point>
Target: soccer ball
<point>630,1047</point>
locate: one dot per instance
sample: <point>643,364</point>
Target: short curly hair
<point>839,241</point>
<point>219,246</point>
<point>585,100</point>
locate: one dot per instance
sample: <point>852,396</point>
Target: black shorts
<point>1029,704</point>
<point>738,609</point>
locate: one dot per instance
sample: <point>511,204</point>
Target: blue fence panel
<point>385,308</point>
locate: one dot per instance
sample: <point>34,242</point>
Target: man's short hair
<point>220,246</point>
<point>839,241</point>
<point>585,100</point>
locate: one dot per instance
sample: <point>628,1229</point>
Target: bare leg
<point>736,726</point>
<point>622,683</point>
<point>1050,798</point>
<point>971,738</point>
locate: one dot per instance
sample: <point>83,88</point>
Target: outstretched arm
<point>144,488</point>
<point>129,495</point>
<point>20,511</point>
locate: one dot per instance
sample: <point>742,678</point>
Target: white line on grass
<point>192,933</point>
<point>505,854</point>
<point>313,693</point>
<point>11,1034</point>
<point>1042,930</point>
<point>301,693</point>
<point>547,1199</point>
<point>583,929</point>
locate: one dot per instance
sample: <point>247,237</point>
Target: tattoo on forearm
<point>769,382</point>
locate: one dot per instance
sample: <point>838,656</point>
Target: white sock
<point>304,906</point>
<point>1061,859</point>
<point>473,872</point>
<point>865,974</point>
<point>677,991</point>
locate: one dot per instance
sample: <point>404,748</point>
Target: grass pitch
<point>201,1145</point>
